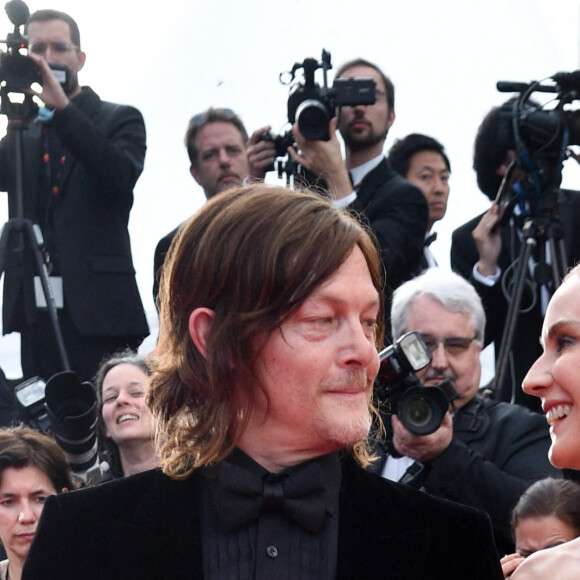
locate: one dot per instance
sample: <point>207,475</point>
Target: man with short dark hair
<point>261,392</point>
<point>485,453</point>
<point>364,182</point>
<point>422,161</point>
<point>81,157</point>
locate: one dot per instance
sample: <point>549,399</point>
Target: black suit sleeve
<point>113,158</point>
<point>492,473</point>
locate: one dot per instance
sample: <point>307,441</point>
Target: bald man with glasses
<point>485,453</point>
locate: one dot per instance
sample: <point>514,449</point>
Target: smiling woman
<point>126,431</point>
<point>554,378</point>
<point>32,467</point>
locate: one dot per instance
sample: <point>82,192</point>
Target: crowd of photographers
<point>82,158</point>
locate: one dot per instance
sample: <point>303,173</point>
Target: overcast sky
<point>175,58</point>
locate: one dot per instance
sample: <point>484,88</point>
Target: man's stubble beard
<point>356,143</point>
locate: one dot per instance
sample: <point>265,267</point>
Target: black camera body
<point>312,106</point>
<point>17,71</point>
<point>420,409</point>
<point>540,136</point>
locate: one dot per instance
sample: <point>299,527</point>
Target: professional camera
<point>17,71</point>
<point>65,409</point>
<point>540,135</point>
<point>420,409</point>
<point>312,106</point>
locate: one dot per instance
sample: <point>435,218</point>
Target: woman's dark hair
<point>21,446</point>
<point>550,497</point>
<point>108,449</point>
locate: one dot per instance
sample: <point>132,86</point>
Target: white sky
<point>175,58</point>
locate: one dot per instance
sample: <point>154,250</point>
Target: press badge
<point>56,285</point>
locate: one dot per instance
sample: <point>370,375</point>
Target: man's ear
<point>200,321</point>
<point>195,173</point>
<point>391,118</point>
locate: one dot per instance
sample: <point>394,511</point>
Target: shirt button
<point>272,551</point>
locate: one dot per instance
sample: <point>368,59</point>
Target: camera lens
<point>72,410</point>
<point>418,411</point>
<point>313,118</point>
<point>421,409</point>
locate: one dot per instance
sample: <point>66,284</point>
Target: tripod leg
<point>48,294</point>
<point>512,314</point>
<point>559,261</point>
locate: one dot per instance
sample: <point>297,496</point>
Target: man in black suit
<point>365,182</point>
<point>485,251</point>
<point>261,388</point>
<point>485,453</point>
<point>81,157</point>
<point>422,161</point>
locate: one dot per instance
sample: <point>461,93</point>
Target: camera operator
<point>484,250</point>
<point>395,210</point>
<point>488,452</point>
<point>82,158</point>
<point>221,157</point>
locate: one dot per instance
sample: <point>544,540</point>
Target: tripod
<point>537,232</point>
<point>19,234</point>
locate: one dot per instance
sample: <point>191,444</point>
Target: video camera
<point>65,409</point>
<point>17,71</point>
<point>420,409</point>
<point>312,106</point>
<point>540,137</point>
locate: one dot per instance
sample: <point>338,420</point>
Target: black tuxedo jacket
<point>526,347</point>
<point>106,145</point>
<point>148,527</point>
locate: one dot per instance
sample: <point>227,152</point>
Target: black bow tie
<point>430,239</point>
<point>242,495</point>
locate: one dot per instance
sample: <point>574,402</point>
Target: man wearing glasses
<point>485,453</point>
<point>81,160</point>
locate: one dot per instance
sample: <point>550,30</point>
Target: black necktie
<point>242,495</point>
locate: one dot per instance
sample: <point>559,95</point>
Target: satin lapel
<point>90,108</point>
<point>32,163</point>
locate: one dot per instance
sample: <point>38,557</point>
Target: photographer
<point>395,210</point>
<point>485,250</point>
<point>81,157</point>
<point>486,453</point>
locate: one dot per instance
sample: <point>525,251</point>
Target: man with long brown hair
<point>261,387</point>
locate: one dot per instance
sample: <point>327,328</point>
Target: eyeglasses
<point>56,47</point>
<point>451,344</point>
<point>211,115</point>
